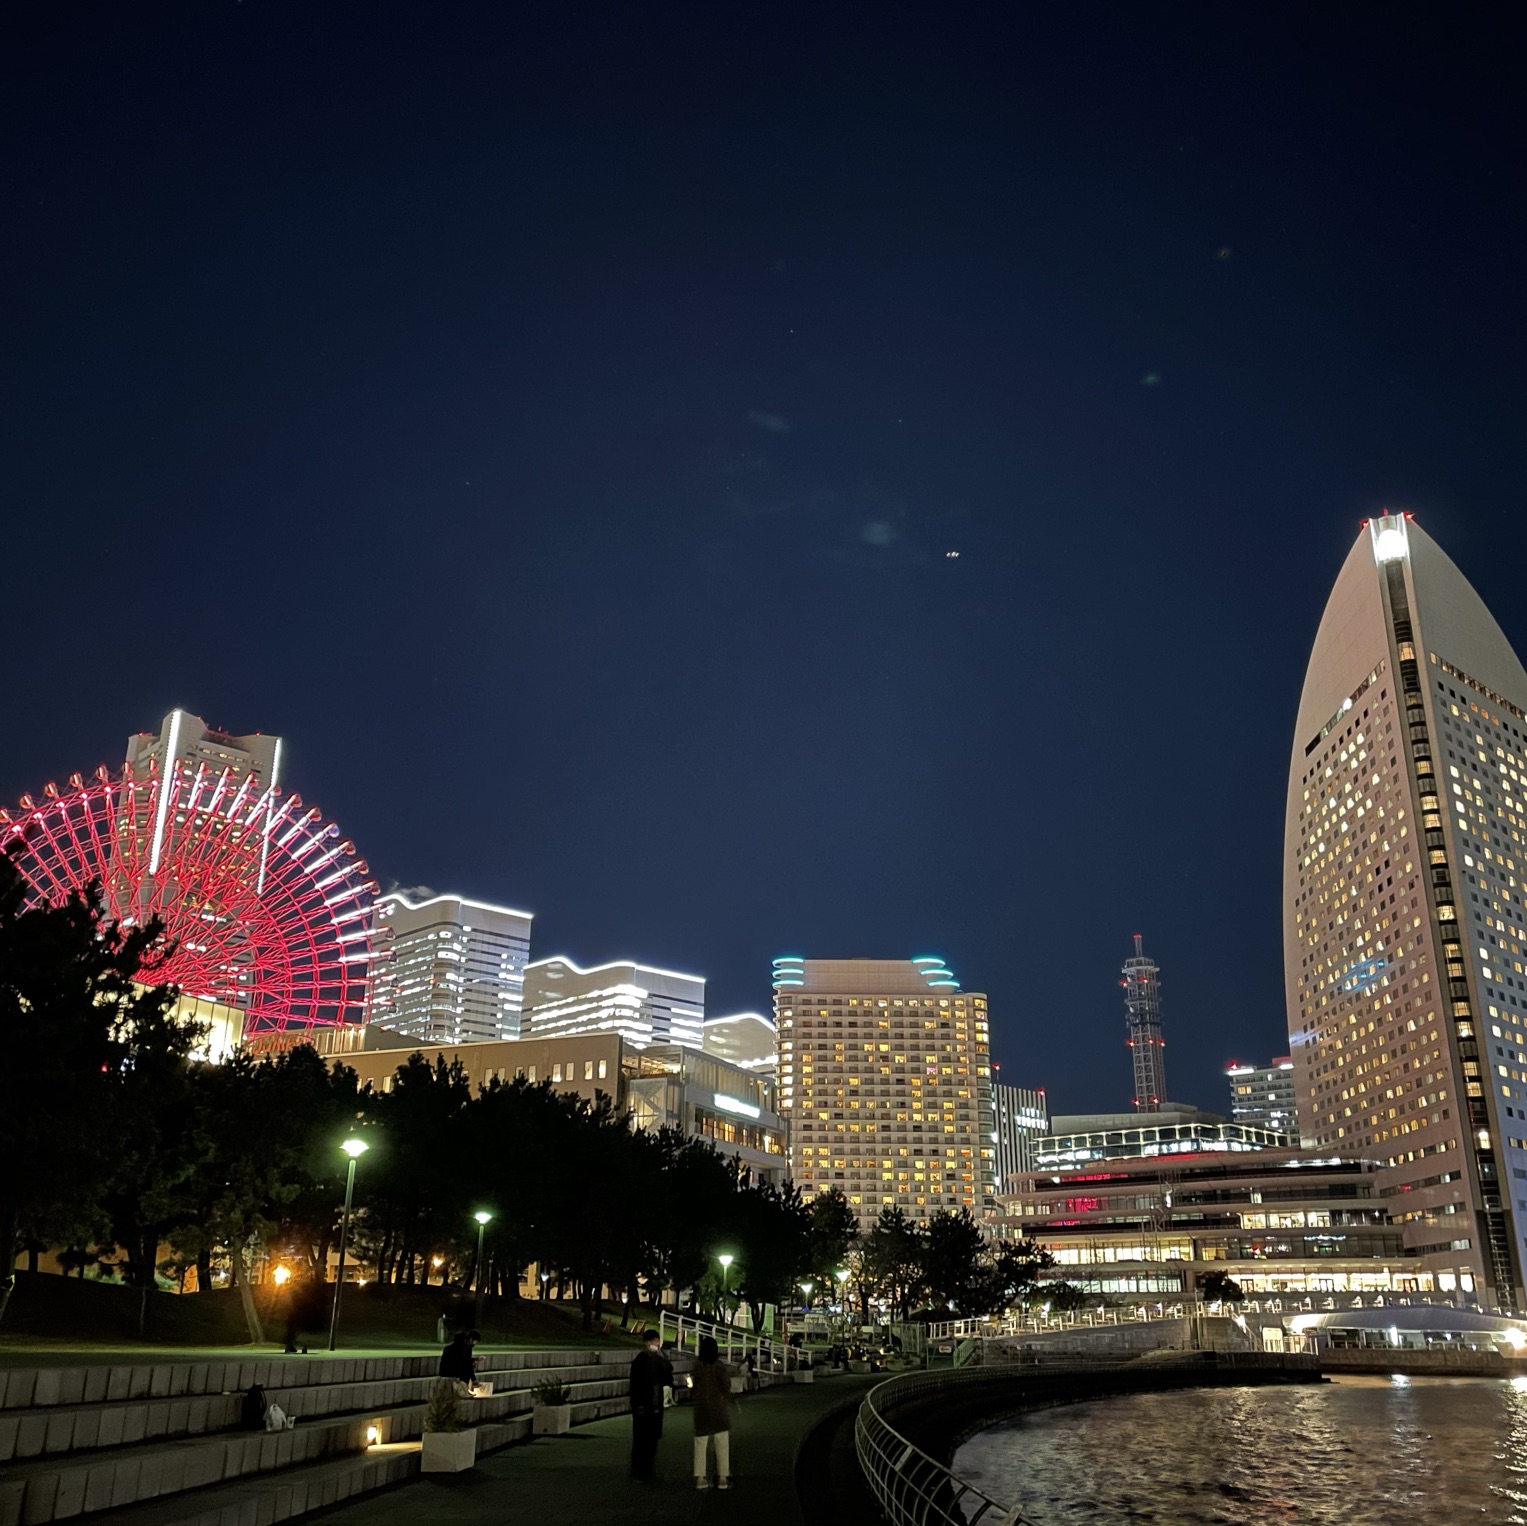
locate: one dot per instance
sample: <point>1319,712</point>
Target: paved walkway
<point>571,1480</point>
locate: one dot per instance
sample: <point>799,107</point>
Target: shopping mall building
<point>1277,1221</point>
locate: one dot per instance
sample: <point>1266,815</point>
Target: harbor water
<point>1358,1451</point>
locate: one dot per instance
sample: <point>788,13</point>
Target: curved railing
<point>911,1487</point>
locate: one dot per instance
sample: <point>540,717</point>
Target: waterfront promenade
<point>570,1480</point>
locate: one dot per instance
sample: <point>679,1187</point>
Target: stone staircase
<point>158,1445</point>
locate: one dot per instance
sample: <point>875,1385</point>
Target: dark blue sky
<point>553,420</point>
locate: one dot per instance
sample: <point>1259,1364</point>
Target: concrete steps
<point>63,1428</point>
<point>160,1443</point>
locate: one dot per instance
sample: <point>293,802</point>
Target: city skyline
<point>568,465</point>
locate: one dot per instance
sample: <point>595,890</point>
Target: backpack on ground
<point>252,1409</point>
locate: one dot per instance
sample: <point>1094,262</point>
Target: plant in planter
<point>450,1443</point>
<point>553,1412</point>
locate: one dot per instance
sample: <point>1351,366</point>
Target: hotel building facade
<point>1405,906</point>
<point>885,1078</point>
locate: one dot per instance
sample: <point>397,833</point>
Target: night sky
<point>554,421</point>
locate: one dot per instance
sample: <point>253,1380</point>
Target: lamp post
<point>483,1217</point>
<point>354,1148</point>
<point>545,1278</point>
<point>281,1275</point>
<point>842,1275</point>
<point>726,1262</point>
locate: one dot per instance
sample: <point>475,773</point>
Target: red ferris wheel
<point>265,906</point>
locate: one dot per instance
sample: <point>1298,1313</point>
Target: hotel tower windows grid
<point>1405,934</point>
<point>885,1075</point>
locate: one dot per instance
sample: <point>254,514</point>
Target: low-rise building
<point>1277,1221</point>
<point>1081,1139</point>
<point>672,1086</point>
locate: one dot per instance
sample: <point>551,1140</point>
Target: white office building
<point>1264,1095</point>
<point>747,1039</point>
<point>1021,1116</point>
<point>643,1004</point>
<point>455,971</point>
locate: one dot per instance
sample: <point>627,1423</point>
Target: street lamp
<point>545,1278</point>
<point>726,1262</point>
<point>281,1275</point>
<point>842,1275</point>
<point>354,1148</point>
<point>483,1217</point>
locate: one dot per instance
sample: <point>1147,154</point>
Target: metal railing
<point>911,1487</point>
<point>737,1343</point>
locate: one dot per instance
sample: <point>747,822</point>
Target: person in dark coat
<point>457,1361</point>
<point>712,1380</point>
<point>651,1373</point>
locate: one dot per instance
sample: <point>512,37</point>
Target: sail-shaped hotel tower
<point>1405,905</point>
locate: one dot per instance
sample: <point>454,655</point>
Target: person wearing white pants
<point>712,1383</point>
<point>723,1440</point>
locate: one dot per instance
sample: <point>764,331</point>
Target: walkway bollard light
<point>354,1148</point>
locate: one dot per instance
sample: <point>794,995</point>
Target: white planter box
<point>551,1419</point>
<point>448,1451</point>
<point>739,1385</point>
<point>802,1374</point>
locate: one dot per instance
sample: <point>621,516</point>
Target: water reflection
<point>1357,1452</point>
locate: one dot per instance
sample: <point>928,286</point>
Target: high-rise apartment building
<point>885,1077</point>
<point>1020,1116</point>
<point>1405,904</point>
<point>456,974</point>
<point>643,1004</point>
<point>1142,1017</point>
<point>1264,1095</point>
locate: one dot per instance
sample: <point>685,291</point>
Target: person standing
<point>651,1373</point>
<point>712,1380</point>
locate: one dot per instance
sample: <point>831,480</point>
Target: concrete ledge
<point>65,1428</point>
<point>44,1387</point>
<point>58,1489</point>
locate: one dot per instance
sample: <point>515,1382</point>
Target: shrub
<point>550,1392</point>
<point>444,1412</point>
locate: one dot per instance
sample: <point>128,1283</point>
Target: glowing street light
<point>354,1148</point>
<point>545,1278</point>
<point>483,1218</point>
<point>280,1276</point>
